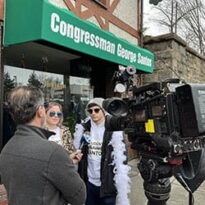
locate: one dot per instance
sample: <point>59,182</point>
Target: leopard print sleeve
<point>67,139</point>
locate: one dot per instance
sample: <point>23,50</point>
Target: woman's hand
<point>76,156</point>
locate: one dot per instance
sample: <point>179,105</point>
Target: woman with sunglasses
<point>63,137</point>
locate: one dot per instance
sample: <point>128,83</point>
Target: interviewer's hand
<point>76,156</point>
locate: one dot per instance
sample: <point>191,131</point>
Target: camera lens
<point>115,106</point>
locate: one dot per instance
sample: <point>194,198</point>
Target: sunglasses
<point>58,114</point>
<point>96,110</point>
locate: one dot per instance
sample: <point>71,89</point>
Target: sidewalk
<point>179,196</point>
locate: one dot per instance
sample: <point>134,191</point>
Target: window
<point>81,92</point>
<point>73,93</point>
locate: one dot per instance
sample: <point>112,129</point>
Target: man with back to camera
<point>34,170</point>
<point>102,166</point>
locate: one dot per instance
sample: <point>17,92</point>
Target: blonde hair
<point>51,104</point>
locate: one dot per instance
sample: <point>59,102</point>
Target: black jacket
<point>36,171</point>
<point>107,175</point>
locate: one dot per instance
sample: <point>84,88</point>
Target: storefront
<point>70,59</point>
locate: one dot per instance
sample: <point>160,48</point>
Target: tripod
<point>157,193</point>
<point>157,184</point>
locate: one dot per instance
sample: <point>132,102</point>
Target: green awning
<point>33,20</point>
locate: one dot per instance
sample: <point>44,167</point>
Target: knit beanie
<point>97,102</point>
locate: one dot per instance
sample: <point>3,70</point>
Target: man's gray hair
<point>24,102</point>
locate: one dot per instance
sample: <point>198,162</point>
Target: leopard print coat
<point>67,139</point>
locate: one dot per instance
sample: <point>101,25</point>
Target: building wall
<point>112,15</point>
<point>174,59</point>
<point>58,3</point>
<point>127,11</point>
<point>122,34</point>
<point>1,9</point>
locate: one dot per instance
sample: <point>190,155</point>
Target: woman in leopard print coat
<point>62,136</point>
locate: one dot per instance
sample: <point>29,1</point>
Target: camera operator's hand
<point>76,156</point>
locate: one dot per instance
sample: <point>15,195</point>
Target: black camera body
<point>171,123</point>
<point>165,122</point>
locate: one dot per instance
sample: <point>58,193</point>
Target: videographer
<point>34,170</point>
<point>103,152</point>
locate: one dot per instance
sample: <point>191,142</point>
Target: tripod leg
<point>191,199</point>
<point>158,192</point>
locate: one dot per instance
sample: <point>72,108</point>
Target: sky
<point>153,28</point>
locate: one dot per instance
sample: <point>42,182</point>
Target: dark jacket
<point>107,175</point>
<point>8,125</point>
<point>36,171</point>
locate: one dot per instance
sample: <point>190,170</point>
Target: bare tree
<point>185,18</point>
<point>194,24</point>
<point>168,14</point>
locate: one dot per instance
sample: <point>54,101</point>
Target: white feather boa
<point>121,170</point>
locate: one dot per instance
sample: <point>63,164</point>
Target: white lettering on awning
<point>78,35</point>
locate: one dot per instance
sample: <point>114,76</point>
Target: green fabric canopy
<point>33,20</point>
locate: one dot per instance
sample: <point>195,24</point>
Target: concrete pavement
<point>178,196</point>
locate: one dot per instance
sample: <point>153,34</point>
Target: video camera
<point>165,123</point>
<point>171,123</point>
